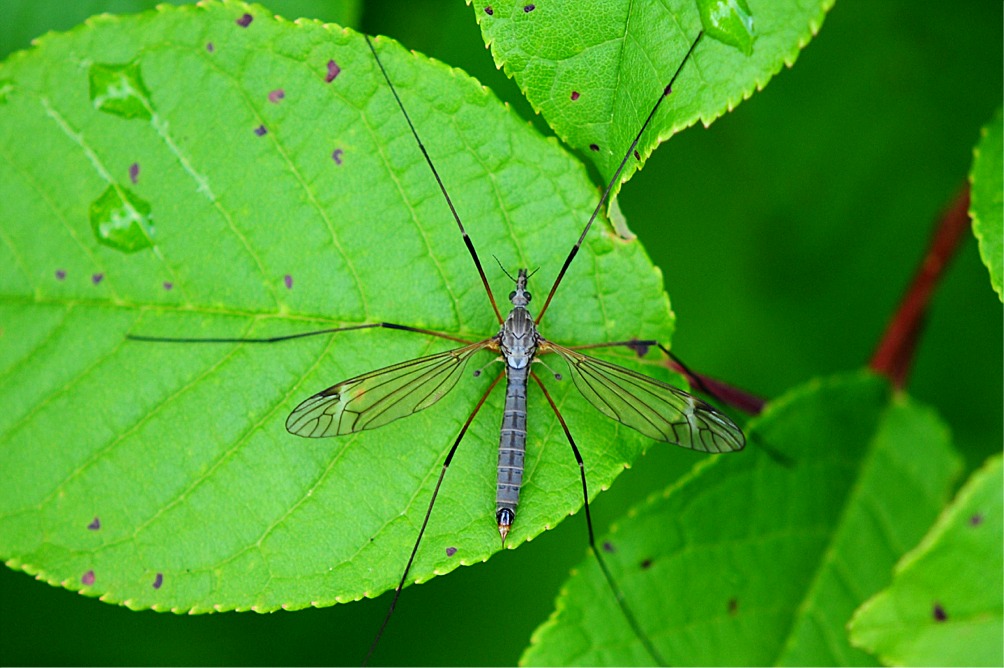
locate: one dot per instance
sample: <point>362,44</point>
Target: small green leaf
<point>728,21</point>
<point>121,220</point>
<point>945,606</point>
<point>288,196</point>
<point>119,89</point>
<point>986,206</point>
<point>595,68</point>
<point>755,561</point>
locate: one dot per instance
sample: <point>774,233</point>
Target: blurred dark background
<point>786,233</point>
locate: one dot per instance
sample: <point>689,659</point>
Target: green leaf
<point>26,19</point>
<point>944,606</point>
<point>750,561</point>
<point>595,69</point>
<point>281,192</point>
<point>986,206</point>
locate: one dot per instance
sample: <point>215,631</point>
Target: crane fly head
<point>520,296</point>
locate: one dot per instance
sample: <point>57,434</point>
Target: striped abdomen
<point>512,447</point>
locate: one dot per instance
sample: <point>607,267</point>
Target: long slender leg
<point>618,594</point>
<point>453,210</point>
<point>428,513</point>
<point>290,337</point>
<point>620,168</point>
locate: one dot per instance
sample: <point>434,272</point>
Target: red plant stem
<point>723,392</point>
<point>893,357</point>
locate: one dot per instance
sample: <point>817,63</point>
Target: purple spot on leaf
<point>976,520</point>
<point>336,155</point>
<point>575,95</point>
<point>87,578</point>
<point>134,172</point>
<point>333,71</point>
<point>529,8</point>
<point>168,285</point>
<point>60,274</point>
<point>95,524</point>
<point>939,613</point>
<point>594,147</point>
<point>97,278</point>
<point>276,96</point>
<point>450,551</point>
<point>646,564</point>
<point>609,547</point>
<point>260,131</point>
<point>159,580</point>
<point>245,20</point>
<point>209,47</point>
<point>668,90</point>
<point>489,11</point>
<point>733,606</point>
<point>637,156</point>
<point>288,280</point>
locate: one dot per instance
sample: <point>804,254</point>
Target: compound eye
<point>512,295</point>
<point>528,296</point>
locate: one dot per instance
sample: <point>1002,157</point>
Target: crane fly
<point>656,409</point>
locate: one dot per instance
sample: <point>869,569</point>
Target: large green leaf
<point>26,19</point>
<point>213,171</point>
<point>595,68</point>
<point>944,606</point>
<point>987,199</point>
<point>750,561</point>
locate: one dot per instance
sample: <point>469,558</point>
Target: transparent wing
<point>654,408</point>
<point>378,397</point>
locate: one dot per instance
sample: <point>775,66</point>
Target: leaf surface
<point>27,19</point>
<point>945,606</point>
<point>213,171</point>
<point>750,561</point>
<point>594,69</point>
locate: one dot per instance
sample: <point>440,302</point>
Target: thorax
<point>518,338</point>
